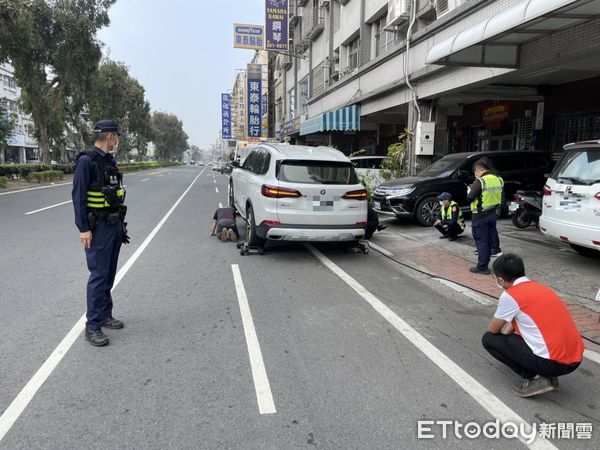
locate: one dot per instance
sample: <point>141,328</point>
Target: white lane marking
<point>214,180</point>
<point>217,190</point>
<point>35,188</point>
<point>145,179</point>
<point>18,405</point>
<point>47,207</point>
<point>477,391</point>
<point>465,291</point>
<point>380,249</point>
<point>220,205</point>
<point>592,356</point>
<point>259,373</point>
<point>161,175</point>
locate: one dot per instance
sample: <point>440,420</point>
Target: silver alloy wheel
<point>429,210</point>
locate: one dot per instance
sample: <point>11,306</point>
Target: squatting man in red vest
<point>532,331</point>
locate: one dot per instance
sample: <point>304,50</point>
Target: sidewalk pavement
<point>574,277</point>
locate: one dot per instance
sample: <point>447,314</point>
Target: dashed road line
<point>145,179</point>
<point>47,207</point>
<point>476,390</point>
<point>259,373</point>
<point>217,190</point>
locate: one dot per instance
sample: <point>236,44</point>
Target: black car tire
<point>426,210</point>
<point>521,219</point>
<point>585,251</point>
<point>230,198</point>
<point>251,236</point>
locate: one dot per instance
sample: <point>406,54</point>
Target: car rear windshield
<point>443,167</point>
<point>580,166</point>
<point>317,172</point>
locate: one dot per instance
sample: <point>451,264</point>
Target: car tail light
<point>277,192</point>
<point>596,242</point>
<point>564,238</point>
<point>518,198</point>
<point>547,191</point>
<point>271,222</point>
<point>597,196</point>
<point>360,194</point>
<point>361,224</point>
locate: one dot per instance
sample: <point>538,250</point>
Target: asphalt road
<point>350,350</point>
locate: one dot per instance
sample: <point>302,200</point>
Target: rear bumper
<point>576,234</point>
<point>312,233</point>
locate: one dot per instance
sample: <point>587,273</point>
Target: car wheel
<point>585,251</point>
<point>427,210</point>
<point>251,236</point>
<point>520,219</point>
<point>230,198</point>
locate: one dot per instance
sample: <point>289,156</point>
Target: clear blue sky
<point>182,52</point>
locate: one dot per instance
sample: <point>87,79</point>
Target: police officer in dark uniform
<point>98,199</point>
<point>450,221</point>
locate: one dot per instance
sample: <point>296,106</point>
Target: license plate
<point>377,205</point>
<point>513,207</point>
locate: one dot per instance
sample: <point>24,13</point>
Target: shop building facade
<point>491,74</point>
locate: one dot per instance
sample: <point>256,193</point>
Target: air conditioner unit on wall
<point>397,13</point>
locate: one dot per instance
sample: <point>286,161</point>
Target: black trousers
<point>513,351</point>
<point>451,229</point>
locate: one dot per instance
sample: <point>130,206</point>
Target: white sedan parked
<point>298,193</point>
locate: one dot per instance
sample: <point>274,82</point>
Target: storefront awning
<point>345,119</point>
<point>495,42</point>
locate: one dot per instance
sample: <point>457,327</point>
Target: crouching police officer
<point>98,200</point>
<point>452,222</point>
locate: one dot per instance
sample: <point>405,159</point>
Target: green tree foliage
<point>118,96</point>
<point>195,153</point>
<point>393,166</point>
<point>7,125</point>
<point>53,48</point>
<point>169,138</point>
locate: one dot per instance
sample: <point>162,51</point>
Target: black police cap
<point>107,126</point>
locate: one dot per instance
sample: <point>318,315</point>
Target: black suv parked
<point>416,196</point>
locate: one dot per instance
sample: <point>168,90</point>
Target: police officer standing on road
<point>98,199</point>
<point>451,222</point>
<point>485,196</point>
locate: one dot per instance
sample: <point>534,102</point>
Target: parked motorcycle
<point>526,208</point>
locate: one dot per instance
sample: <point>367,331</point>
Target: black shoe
<point>96,338</point>
<point>381,227</point>
<point>113,324</point>
<point>496,253</point>
<point>443,237</point>
<point>479,271</point>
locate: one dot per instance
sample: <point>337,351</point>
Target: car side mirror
<point>235,163</point>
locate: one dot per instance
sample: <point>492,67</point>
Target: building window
<point>304,95</point>
<point>353,54</point>
<point>384,40</point>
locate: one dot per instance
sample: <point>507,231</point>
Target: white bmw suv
<point>298,193</point>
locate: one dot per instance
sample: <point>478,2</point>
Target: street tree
<point>169,138</point>
<point>7,125</point>
<point>116,95</point>
<point>53,48</point>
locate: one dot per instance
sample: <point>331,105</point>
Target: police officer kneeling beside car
<point>451,222</point>
<point>98,199</point>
